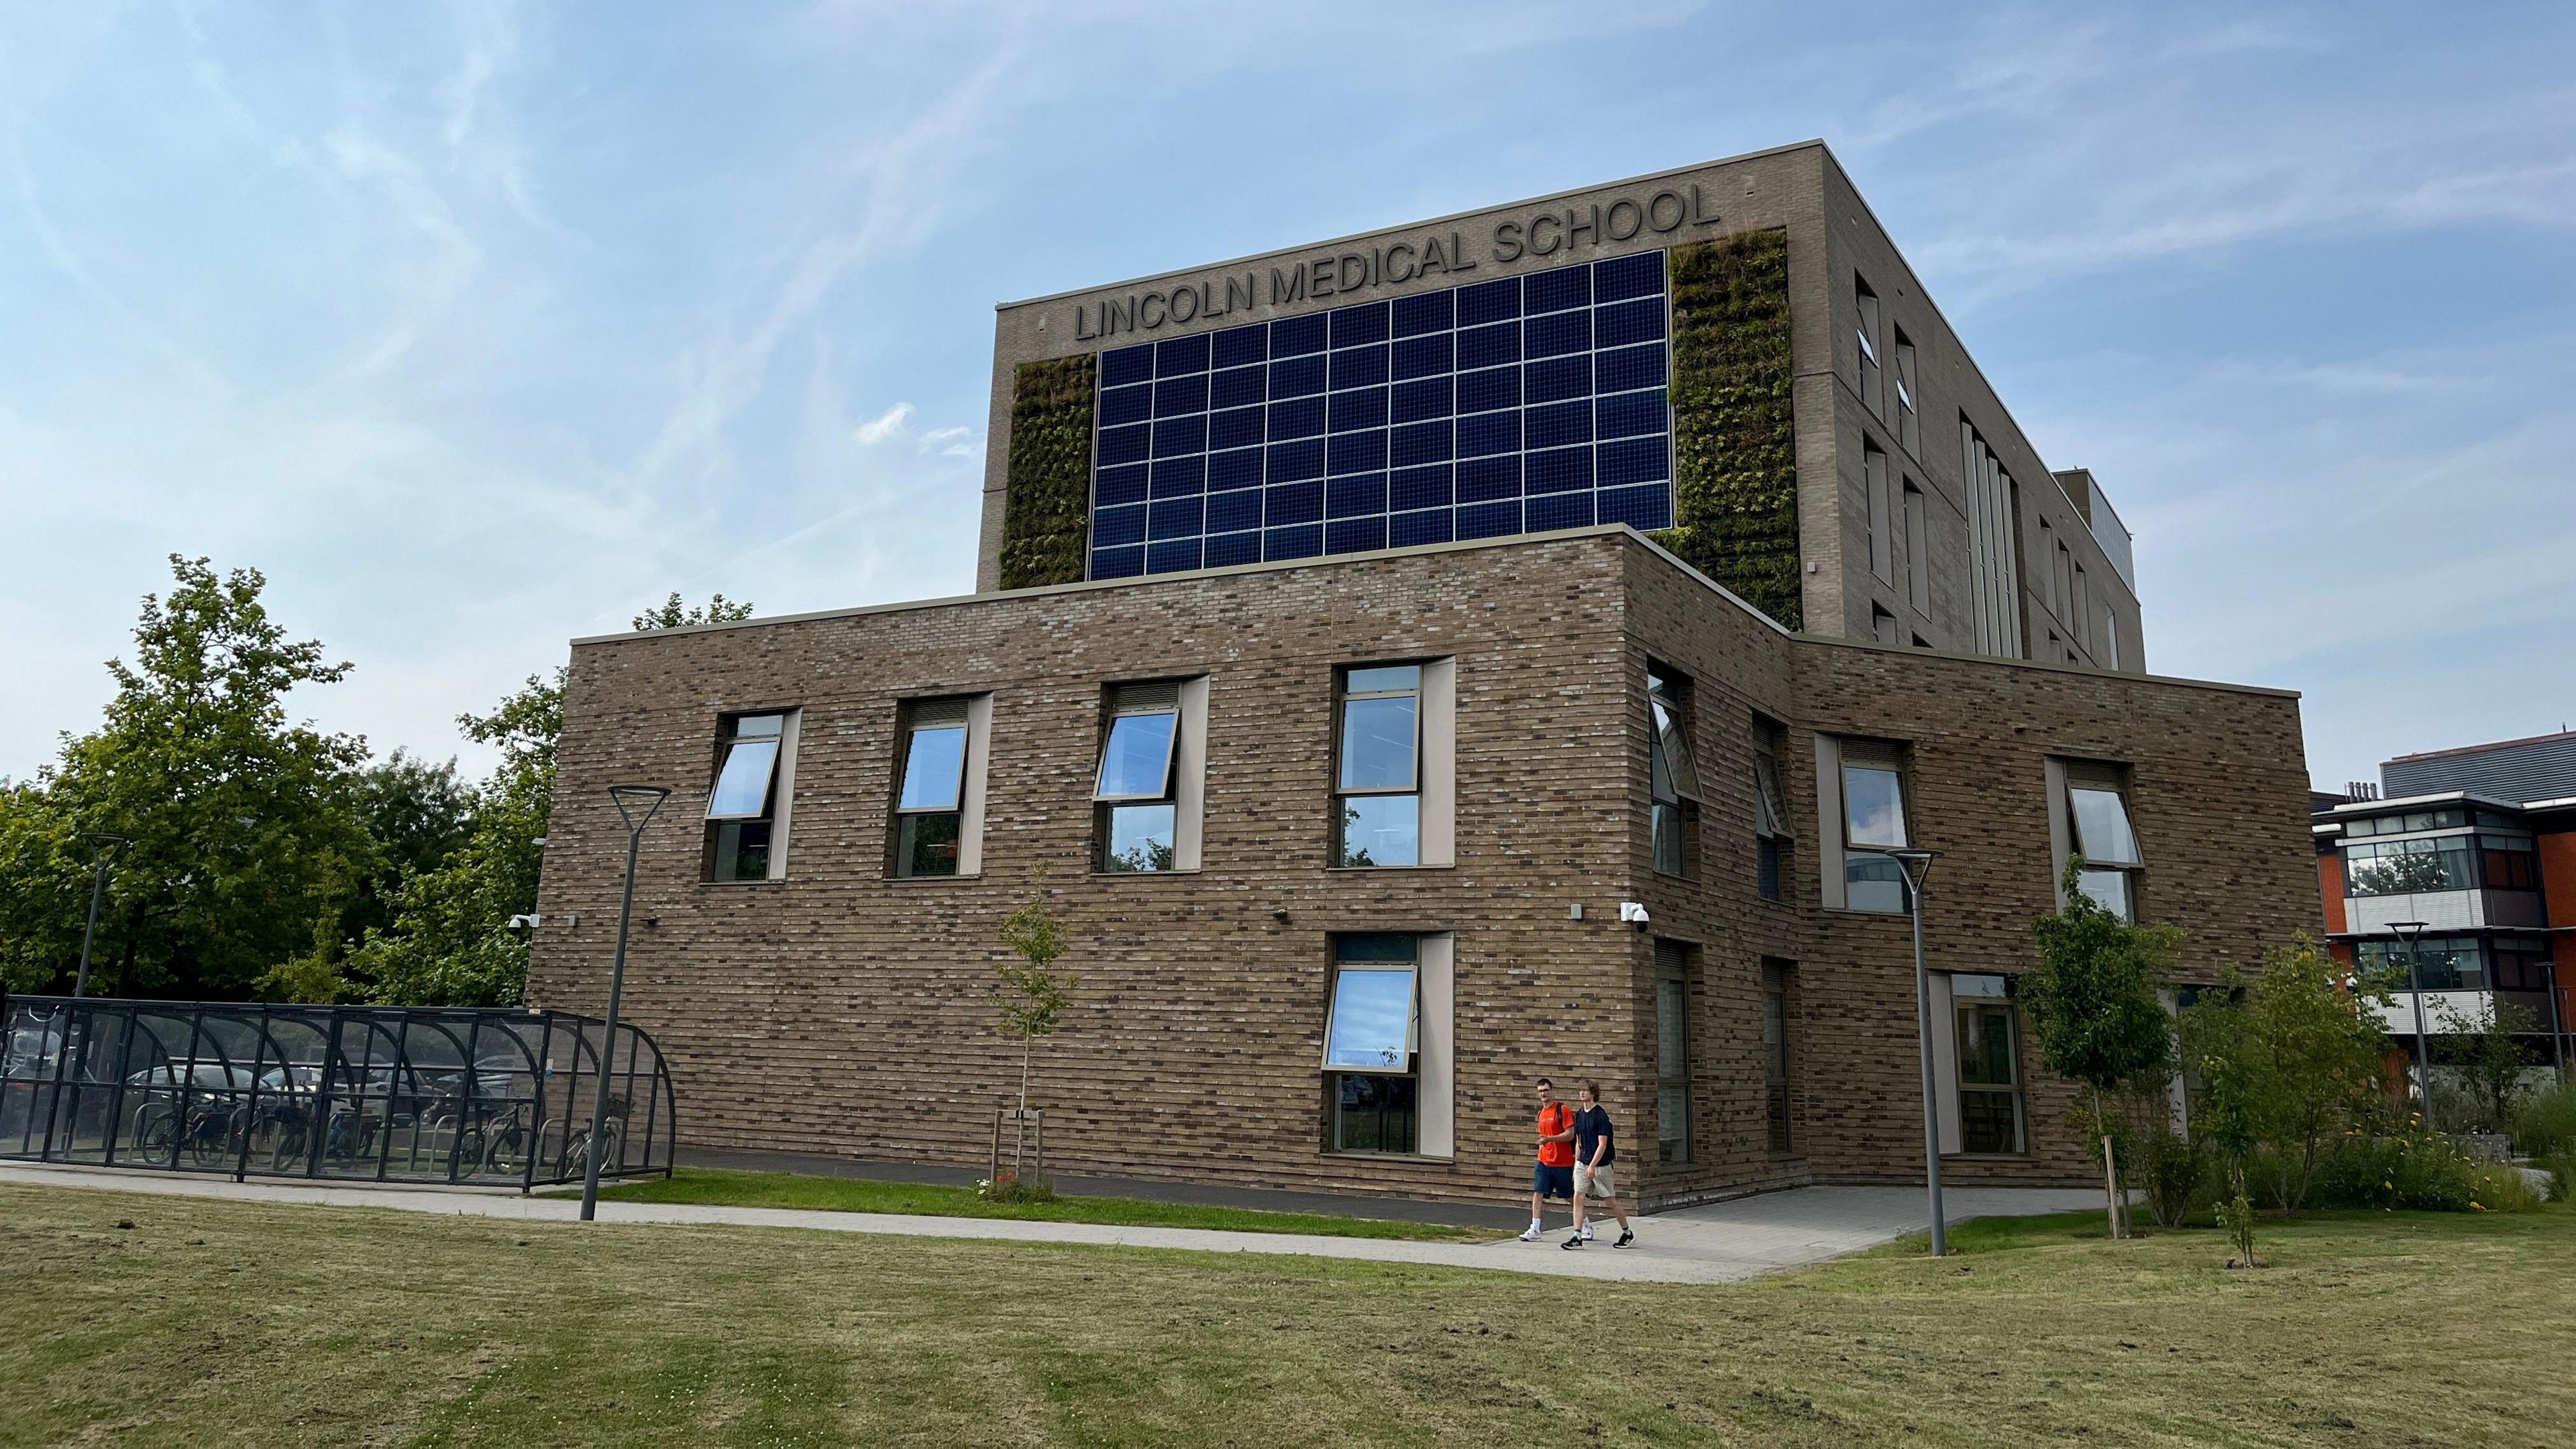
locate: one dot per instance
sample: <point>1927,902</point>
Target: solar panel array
<point>1511,406</point>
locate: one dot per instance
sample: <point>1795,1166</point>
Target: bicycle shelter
<point>495,1097</point>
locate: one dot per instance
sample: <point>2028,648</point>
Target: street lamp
<point>100,843</point>
<point>2410,932</point>
<point>629,799</point>
<point>1916,863</point>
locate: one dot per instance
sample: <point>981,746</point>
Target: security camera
<point>1633,913</point>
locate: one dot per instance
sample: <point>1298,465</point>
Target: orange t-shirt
<point>1555,1117</point>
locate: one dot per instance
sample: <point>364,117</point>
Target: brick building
<point>1348,661</point>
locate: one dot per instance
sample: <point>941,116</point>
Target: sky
<point>480,327</point>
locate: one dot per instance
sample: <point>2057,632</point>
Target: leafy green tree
<point>2487,1048</point>
<point>1031,996</point>
<point>2093,1007</point>
<point>2294,1052</point>
<point>449,941</point>
<point>246,834</point>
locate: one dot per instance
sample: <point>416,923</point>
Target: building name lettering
<point>1345,274</point>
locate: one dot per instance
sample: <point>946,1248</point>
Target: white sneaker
<point>1533,1235</point>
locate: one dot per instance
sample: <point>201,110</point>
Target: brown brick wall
<point>839,1011</point>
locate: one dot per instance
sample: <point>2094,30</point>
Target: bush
<point>2422,1172</point>
<point>2173,1169</point>
<point>1007,1186</point>
<point>2545,1124</point>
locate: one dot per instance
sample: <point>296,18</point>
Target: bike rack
<point>234,1078</point>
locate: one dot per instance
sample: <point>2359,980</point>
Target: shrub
<point>2173,1168</point>
<point>2422,1172</point>
<point>2545,1125</point>
<point>1008,1186</point>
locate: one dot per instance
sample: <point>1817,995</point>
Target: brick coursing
<point>840,1011</point>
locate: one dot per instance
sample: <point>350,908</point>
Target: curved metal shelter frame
<point>497,1098</point>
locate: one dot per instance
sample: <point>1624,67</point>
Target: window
<point>1882,539</point>
<point>2110,640</point>
<point>1868,336</point>
<point>2048,547</point>
<point>2098,818</point>
<point>1372,1043</point>
<point>2441,963</point>
<point>1990,1110</point>
<point>1672,773</point>
<point>2506,864</point>
<point>1883,626</point>
<point>1136,811</point>
<point>1918,553</point>
<point>1672,1052</point>
<point>1775,1055</point>
<point>1993,574</point>
<point>2062,581</point>
<point>1770,818</point>
<point>930,798</point>
<point>1873,818</point>
<point>2406,867</point>
<point>1909,429</point>
<point>743,834</point>
<point>1378,796</point>
<point>2081,615</point>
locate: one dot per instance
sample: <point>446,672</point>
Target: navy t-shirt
<point>1592,1129</point>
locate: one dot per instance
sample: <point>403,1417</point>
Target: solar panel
<point>1519,404</point>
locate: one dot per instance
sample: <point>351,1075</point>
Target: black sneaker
<point>1572,1243</point>
<point>1626,1240</point>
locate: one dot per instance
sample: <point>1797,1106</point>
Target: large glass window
<point>2098,817</point>
<point>1672,772</point>
<point>1873,818</point>
<point>1377,800</point>
<point>930,799</point>
<point>742,805</point>
<point>1770,816</point>
<point>1372,1041</point>
<point>1509,406</point>
<point>2405,867</point>
<point>1990,1106</point>
<point>1134,789</point>
<point>1672,1051</point>
<point>2441,963</point>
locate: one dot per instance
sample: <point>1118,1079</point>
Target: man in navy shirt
<point>1594,1151</point>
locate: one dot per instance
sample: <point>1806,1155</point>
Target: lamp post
<point>629,798</point>
<point>2409,932</point>
<point>1914,864</point>
<point>100,843</point>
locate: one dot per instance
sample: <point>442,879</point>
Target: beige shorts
<point>1590,1181</point>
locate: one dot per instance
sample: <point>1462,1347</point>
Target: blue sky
<point>481,327</point>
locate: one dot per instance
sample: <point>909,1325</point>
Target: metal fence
<point>338,1093</point>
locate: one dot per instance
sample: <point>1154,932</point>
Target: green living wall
<point>1735,486</point>
<point>1046,499</point>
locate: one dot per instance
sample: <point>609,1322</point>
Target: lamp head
<point>631,798</point>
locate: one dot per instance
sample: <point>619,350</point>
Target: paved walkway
<point>1719,1243</point>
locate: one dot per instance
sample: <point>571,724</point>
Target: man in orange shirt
<point>1554,1175</point>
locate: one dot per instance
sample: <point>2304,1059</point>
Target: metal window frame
<point>1412,1065</point>
<point>1343,696</point>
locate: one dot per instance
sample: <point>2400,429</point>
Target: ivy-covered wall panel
<point>1046,502</point>
<point>1735,487</point>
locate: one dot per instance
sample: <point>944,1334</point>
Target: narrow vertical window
<point>742,805</point>
<point>1873,819</point>
<point>1770,817</point>
<point>1133,792</point>
<point>1918,553</point>
<point>1377,800</point>
<point>930,798</point>
<point>2110,641</point>
<point>1775,1056</point>
<point>2082,616</point>
<point>1990,1106</point>
<point>1372,1044</point>
<point>2048,547</point>
<point>1867,336</point>
<point>1672,773</point>
<point>2097,810</point>
<point>1909,428</point>
<point>1672,1052</point>
<point>1882,536</point>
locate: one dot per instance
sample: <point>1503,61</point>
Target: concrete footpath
<point>1719,1243</point>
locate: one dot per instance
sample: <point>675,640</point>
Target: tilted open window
<point>1873,819</point>
<point>2097,811</point>
<point>930,798</point>
<point>1770,815</point>
<point>1672,772</point>
<point>1134,791</point>
<point>744,815</point>
<point>1372,1044</point>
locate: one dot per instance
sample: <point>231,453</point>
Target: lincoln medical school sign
<point>1434,254</point>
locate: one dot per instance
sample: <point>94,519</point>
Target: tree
<point>246,833</point>
<point>2296,1051</point>
<point>1030,996</point>
<point>2093,1006</point>
<point>449,941</point>
<point>2488,1050</point>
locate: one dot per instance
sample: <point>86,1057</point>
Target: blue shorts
<point>1549,1181</point>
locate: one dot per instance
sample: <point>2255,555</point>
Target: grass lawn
<point>217,1322</point>
<point>860,1195</point>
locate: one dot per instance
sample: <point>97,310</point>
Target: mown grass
<point>210,1322</point>
<point>731,1188</point>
